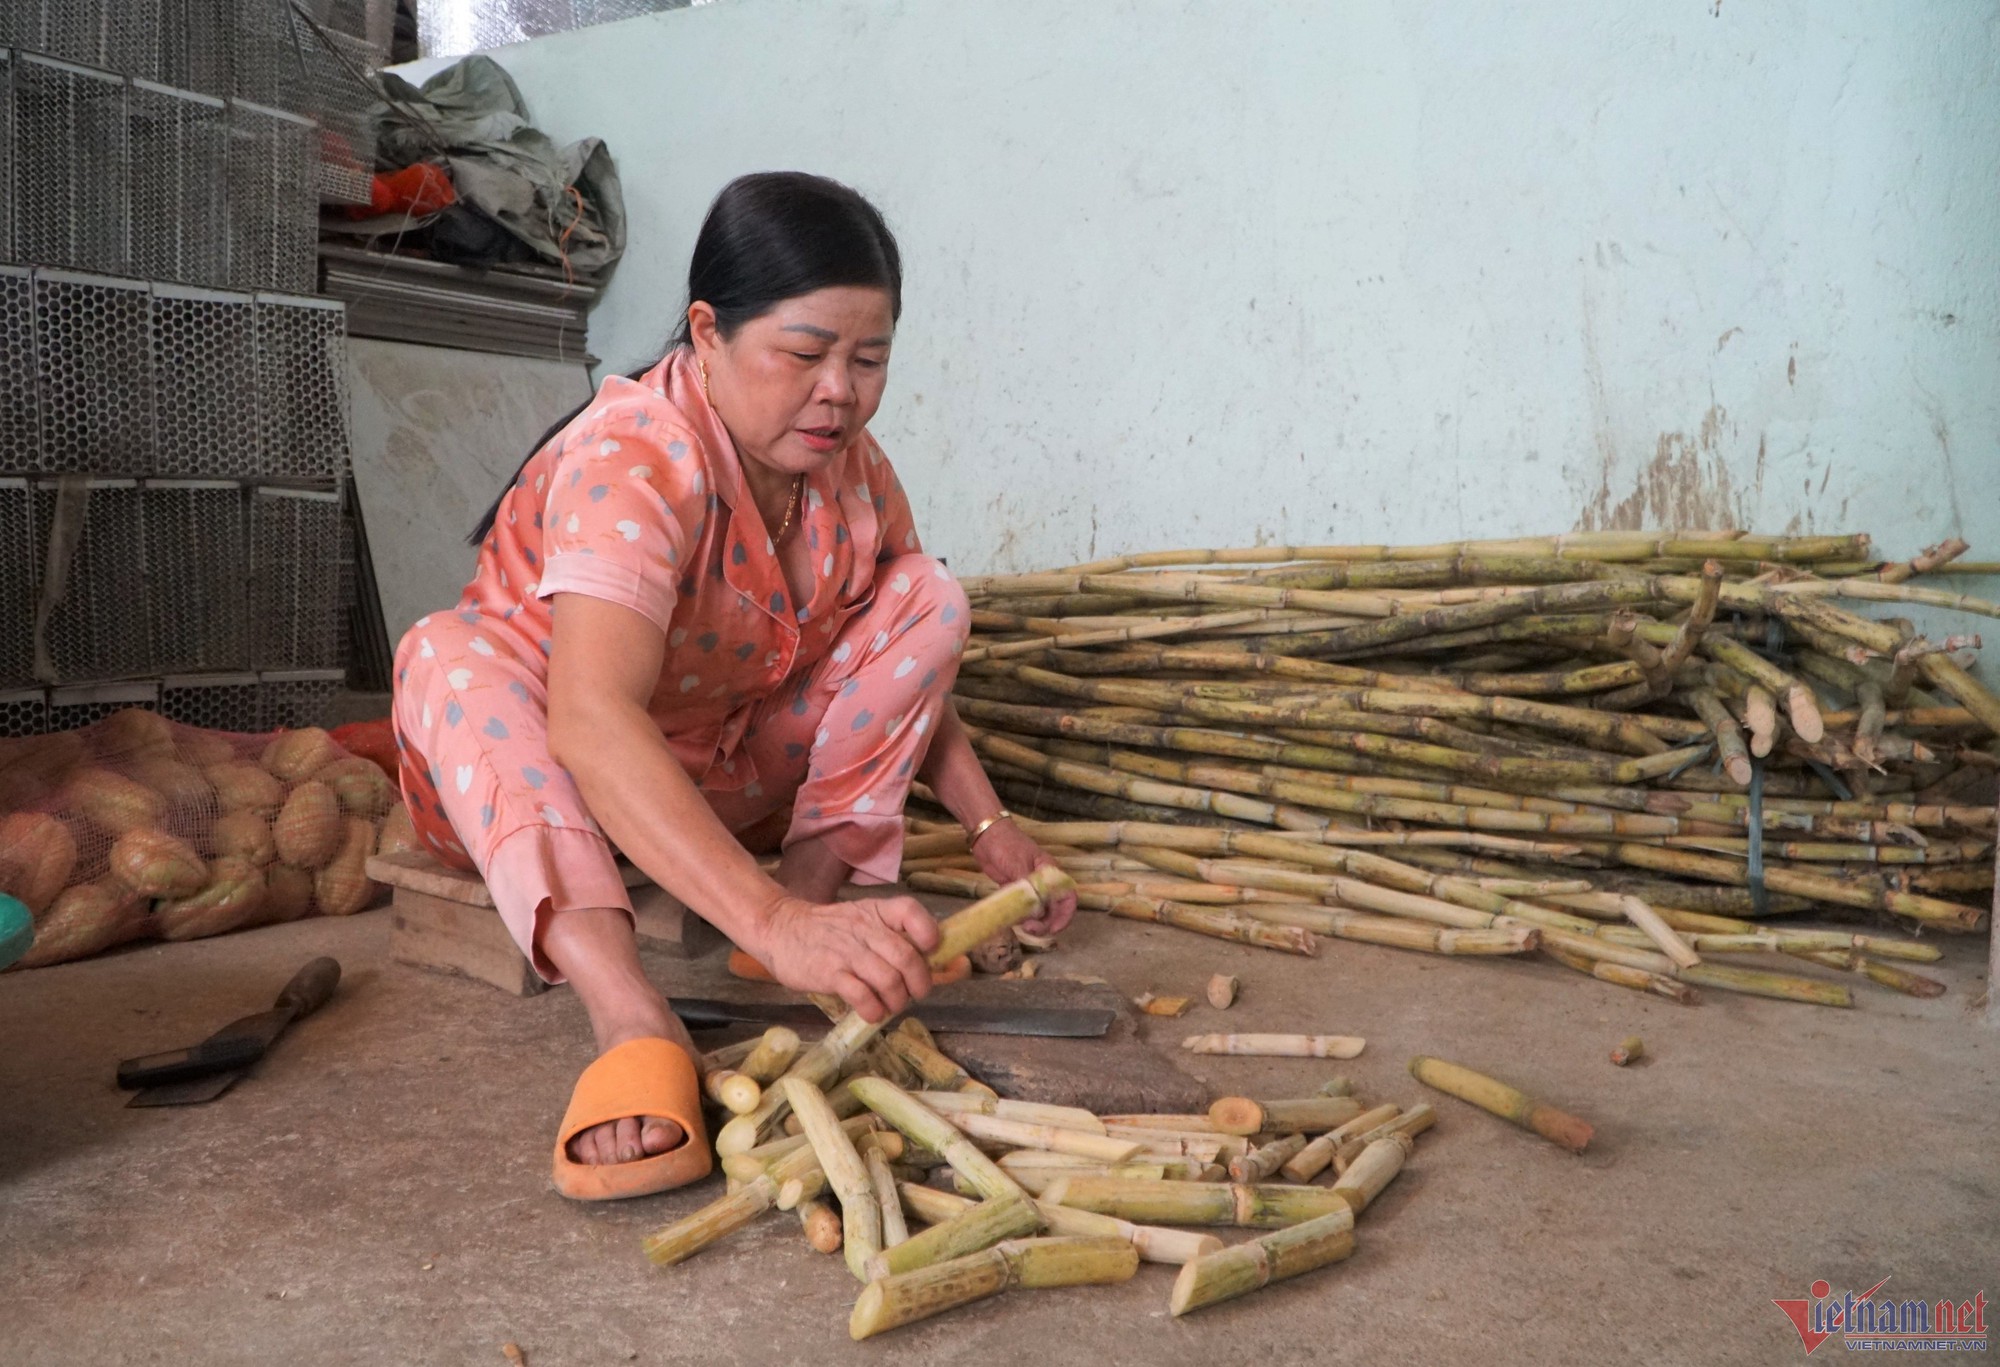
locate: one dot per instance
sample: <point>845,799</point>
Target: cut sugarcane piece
<point>1496,1097</point>
<point>812,1182</point>
<point>1027,1112</point>
<point>1155,1245</point>
<point>1239,1115</point>
<point>1272,1257</point>
<point>894,1230</point>
<point>1629,1050</point>
<point>1265,1206</point>
<point>722,1217</point>
<point>957,933</point>
<point>728,1055</point>
<point>1337,1086</point>
<point>821,1224</point>
<point>929,1130</point>
<point>916,1048</point>
<point>1037,1181</point>
<point>734,1091</point>
<point>1265,1160</point>
<point>979,1226</point>
<point>749,1164</point>
<point>1658,931</point>
<point>1312,1160</point>
<point>1103,1148</point>
<point>846,1173</point>
<point>1373,1170</point>
<point>1063,1261</point>
<point>1277,1046</point>
<point>772,1055</point>
<point>1154,1004</point>
<point>1222,989</point>
<point>1194,1124</point>
<point>1412,1123</point>
<point>1205,1148</point>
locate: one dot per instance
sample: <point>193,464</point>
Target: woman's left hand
<point>1005,854</point>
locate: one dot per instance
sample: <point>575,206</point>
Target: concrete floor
<point>378,1193</point>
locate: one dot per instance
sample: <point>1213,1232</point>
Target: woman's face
<point>796,385</point>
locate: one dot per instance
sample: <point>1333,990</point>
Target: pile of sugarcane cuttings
<point>883,1123</point>
<point>1624,751</point>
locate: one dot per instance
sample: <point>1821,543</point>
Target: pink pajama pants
<point>836,743</point>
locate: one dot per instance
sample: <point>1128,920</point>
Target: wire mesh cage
<point>18,581</point>
<point>302,387</point>
<point>97,628</point>
<point>294,578</point>
<point>6,147</point>
<point>72,166</point>
<point>20,402</point>
<point>197,567</point>
<point>83,704</point>
<point>23,712</point>
<point>117,35</point>
<point>21,25</point>
<point>93,369</point>
<point>273,206</point>
<point>180,213</point>
<point>205,383</point>
<point>220,702</point>
<point>299,697</point>
<point>323,73</point>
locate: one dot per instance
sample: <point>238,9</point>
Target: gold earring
<point>704,379</point>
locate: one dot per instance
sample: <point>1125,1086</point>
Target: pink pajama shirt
<point>824,707</point>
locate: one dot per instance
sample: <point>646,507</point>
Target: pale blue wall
<point>1205,273</point>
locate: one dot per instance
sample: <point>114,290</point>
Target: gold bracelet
<point>983,827</point>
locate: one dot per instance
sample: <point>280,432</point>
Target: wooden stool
<point>444,920</point>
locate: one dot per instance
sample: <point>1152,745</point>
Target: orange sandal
<point>639,1077</point>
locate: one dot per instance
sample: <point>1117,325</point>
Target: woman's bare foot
<point>597,951</point>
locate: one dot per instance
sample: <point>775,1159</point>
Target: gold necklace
<point>791,508</point>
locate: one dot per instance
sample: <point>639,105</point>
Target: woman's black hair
<point>768,237</point>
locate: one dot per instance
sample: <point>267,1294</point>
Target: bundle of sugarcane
<point>1622,752</point>
<point>949,1193</point>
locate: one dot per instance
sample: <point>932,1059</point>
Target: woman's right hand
<point>870,952</point>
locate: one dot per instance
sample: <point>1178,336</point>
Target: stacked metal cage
<point>173,406</point>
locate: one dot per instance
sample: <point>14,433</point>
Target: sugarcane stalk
<point>957,934</point>
<point>1067,1261</point>
<point>1260,1163</point>
<point>728,1055</point>
<point>771,1056</point>
<point>1411,1123</point>
<point>1271,1257</point>
<point>1277,1046</point>
<point>1728,736</point>
<point>979,1226</point>
<point>1101,1148</point>
<point>1036,1181</point>
<point>1373,1170</point>
<point>860,1213</point>
<point>1263,1206</point>
<point>1154,1245</point>
<point>719,1218</point>
<point>932,1065</point>
<point>894,1229</point>
<point>1655,928</point>
<point>1239,1115</point>
<point>732,1090</point>
<point>1315,1157</point>
<point>929,1130</point>
<point>1497,1098</point>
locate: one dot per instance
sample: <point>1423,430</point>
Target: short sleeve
<point>899,525</point>
<point>611,525</point>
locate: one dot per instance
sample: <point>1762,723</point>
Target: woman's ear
<point>702,330</point>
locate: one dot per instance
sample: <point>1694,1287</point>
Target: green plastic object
<point>17,929</point>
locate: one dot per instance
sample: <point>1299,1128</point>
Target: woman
<point>702,620</point>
